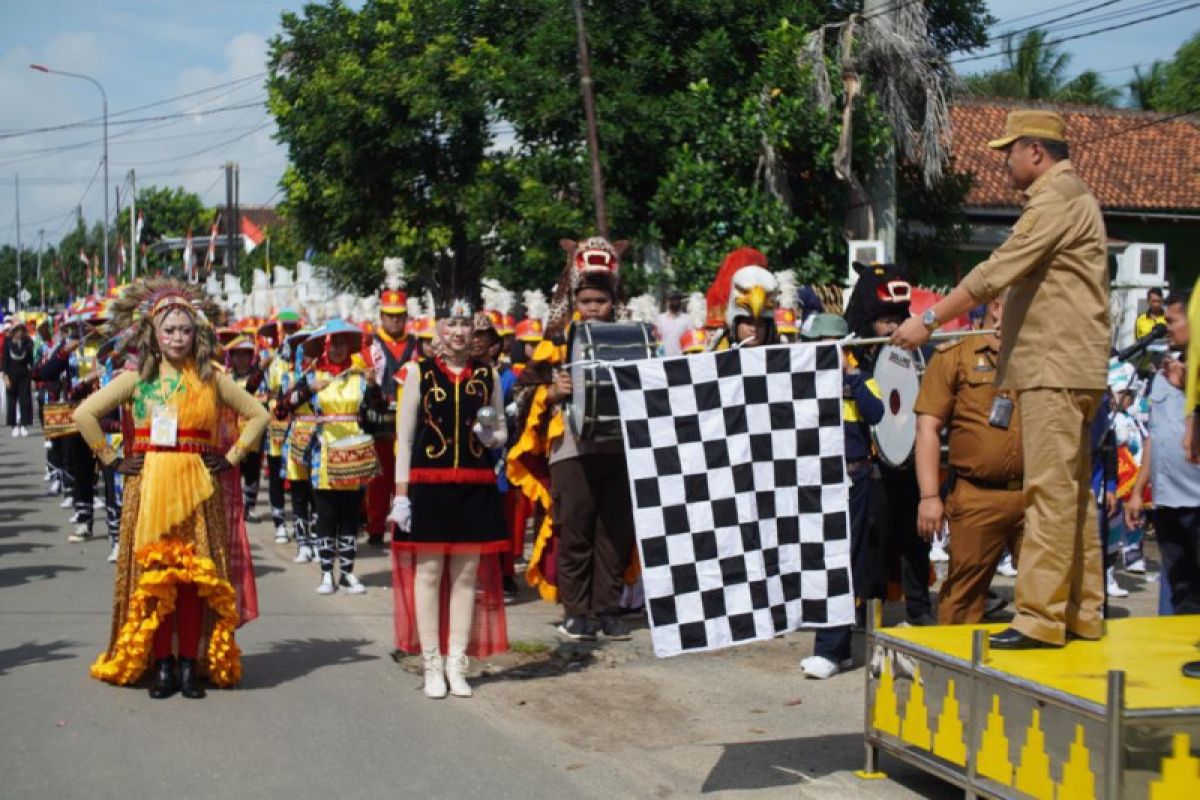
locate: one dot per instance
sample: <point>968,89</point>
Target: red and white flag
<point>141,223</point>
<point>211,255</point>
<point>252,235</point>
<point>187,257</point>
<point>121,257</point>
<point>83,258</point>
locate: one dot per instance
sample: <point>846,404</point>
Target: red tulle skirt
<point>489,628</point>
<point>241,564</point>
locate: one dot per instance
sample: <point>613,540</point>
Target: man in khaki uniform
<point>986,509</point>
<point>1053,353</point>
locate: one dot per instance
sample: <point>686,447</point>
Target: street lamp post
<point>104,99</point>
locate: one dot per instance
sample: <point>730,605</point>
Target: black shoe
<point>614,628</point>
<point>510,587</point>
<point>922,621</point>
<point>578,628</point>
<point>190,684</point>
<point>165,682</point>
<point>375,540</point>
<point>1191,669</point>
<point>631,612</point>
<point>1013,639</point>
<point>993,605</point>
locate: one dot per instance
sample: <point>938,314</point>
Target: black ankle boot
<point>190,684</point>
<point>165,682</point>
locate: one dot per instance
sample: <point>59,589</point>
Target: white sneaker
<point>48,476</point>
<point>327,585</point>
<point>456,675</point>
<point>435,674</point>
<point>938,554</point>
<point>351,584</point>
<point>281,535</point>
<point>1006,567</point>
<point>1114,588</point>
<point>98,504</point>
<point>55,487</point>
<point>24,431</point>
<point>1137,567</point>
<point>67,502</point>
<point>304,555</point>
<point>82,533</point>
<point>112,554</point>
<point>820,668</point>
<point>16,432</point>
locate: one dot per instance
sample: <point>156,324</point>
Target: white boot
<point>435,674</point>
<point>456,674</point>
<point>327,585</point>
<point>304,554</point>
<point>1114,588</point>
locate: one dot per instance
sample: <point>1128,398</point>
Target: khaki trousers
<point>982,523</point>
<point>1060,579</point>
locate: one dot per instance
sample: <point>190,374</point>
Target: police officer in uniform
<point>985,508</point>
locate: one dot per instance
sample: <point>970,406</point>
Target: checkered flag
<point>740,497</point>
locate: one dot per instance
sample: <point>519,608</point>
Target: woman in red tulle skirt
<point>448,511</point>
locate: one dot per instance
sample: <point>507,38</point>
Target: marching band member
<point>450,525</point>
<point>271,337</point>
<point>391,349</point>
<point>173,570</point>
<point>587,493</point>
<point>750,312</point>
<point>340,392</point>
<point>861,408</point>
<point>277,370</point>
<point>241,360</point>
<point>300,421</point>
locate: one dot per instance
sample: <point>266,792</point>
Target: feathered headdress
<point>135,310</point>
<point>535,304</point>
<point>719,292</point>
<point>697,309</point>
<point>495,297</point>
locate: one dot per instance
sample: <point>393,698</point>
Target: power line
<point>202,151</point>
<point>183,115</point>
<point>1085,34</point>
<point>1045,23</point>
<point>1033,14</point>
<point>1139,126</point>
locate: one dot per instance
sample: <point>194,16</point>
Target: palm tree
<point>1037,66</point>
<point>1144,86</point>
<point>1088,88</point>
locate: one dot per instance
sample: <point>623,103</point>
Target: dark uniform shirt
<point>958,387</point>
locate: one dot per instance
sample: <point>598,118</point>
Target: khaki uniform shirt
<point>1056,330</point>
<point>958,387</point>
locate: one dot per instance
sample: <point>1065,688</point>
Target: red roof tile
<point>1128,158</point>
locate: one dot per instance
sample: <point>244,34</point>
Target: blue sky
<point>145,51</point>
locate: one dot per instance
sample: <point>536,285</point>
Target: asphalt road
<point>324,710</point>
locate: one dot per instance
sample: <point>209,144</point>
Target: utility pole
<point>589,112</point>
<point>17,184</point>
<point>235,221</point>
<point>117,278</point>
<point>41,282</point>
<point>133,244</point>
<point>881,177</point>
<point>227,255</point>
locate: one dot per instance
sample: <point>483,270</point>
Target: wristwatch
<point>930,321</point>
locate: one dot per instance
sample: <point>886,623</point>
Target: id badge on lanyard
<point>164,426</point>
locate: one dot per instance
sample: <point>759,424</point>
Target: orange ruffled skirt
<point>195,551</point>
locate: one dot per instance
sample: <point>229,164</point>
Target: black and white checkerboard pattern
<point>740,497</point>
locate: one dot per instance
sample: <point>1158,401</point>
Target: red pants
<point>188,617</point>
<point>517,509</point>
<point>379,490</point>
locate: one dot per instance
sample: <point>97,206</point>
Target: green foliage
<point>1180,90</point>
<point>451,132</point>
<point>1144,87</point>
<point>167,212</point>
<point>933,223</point>
<point>1088,88</point>
<point>1035,69</point>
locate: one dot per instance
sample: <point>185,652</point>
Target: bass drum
<point>898,375</point>
<point>593,411</point>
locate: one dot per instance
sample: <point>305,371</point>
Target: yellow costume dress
<point>173,524</point>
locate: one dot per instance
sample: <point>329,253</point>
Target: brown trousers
<point>594,517</point>
<point>982,523</point>
<point>1060,582</point>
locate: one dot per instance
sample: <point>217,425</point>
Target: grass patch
<point>529,648</point>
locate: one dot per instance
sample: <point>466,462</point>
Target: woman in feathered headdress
<point>174,567</point>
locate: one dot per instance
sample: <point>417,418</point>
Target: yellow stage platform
<point>1108,719</point>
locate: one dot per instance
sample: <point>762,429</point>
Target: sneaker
<point>375,539</point>
<point>1114,588</point>
<point>55,487</point>
<point>820,667</point>
<point>351,584</point>
<point>1006,567</point>
<point>67,502</point>
<point>510,588</point>
<point>24,431</point>
<point>16,432</point>
<point>578,628</point>
<point>304,555</point>
<point>113,553</point>
<point>83,532</point>
<point>98,504</point>
<point>281,534</point>
<point>1137,567</point>
<point>613,627</point>
<point>938,554</point>
<point>327,585</point>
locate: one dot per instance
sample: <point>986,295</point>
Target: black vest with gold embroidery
<point>444,448</point>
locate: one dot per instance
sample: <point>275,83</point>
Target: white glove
<point>401,513</point>
<point>488,437</point>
